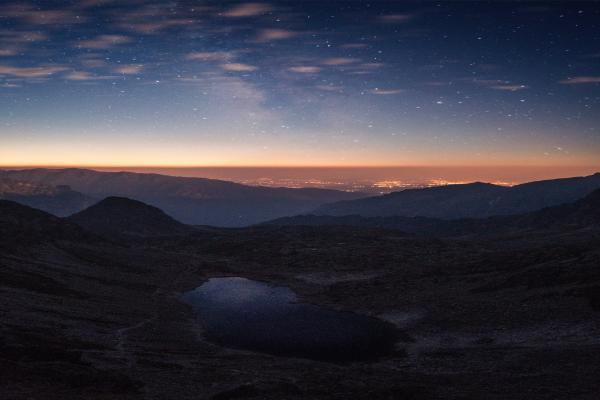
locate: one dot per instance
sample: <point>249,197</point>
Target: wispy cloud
<point>103,42</point>
<point>153,18</point>
<point>577,80</point>
<point>31,72</point>
<point>244,97</point>
<point>248,10</point>
<point>92,61</point>
<point>509,88</point>
<point>238,67</point>
<point>83,4</point>
<point>354,46</point>
<point>372,65</point>
<point>211,56</point>
<point>157,26</point>
<point>131,69</point>
<point>11,37</point>
<point>267,35</point>
<point>227,87</point>
<point>36,16</point>
<point>305,69</point>
<point>396,18</point>
<point>497,84</point>
<point>330,88</point>
<point>8,52</point>
<point>85,76</point>
<point>335,61</point>
<point>386,92</point>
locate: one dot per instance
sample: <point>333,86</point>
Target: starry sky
<point>299,83</point>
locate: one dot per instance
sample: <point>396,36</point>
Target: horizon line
<point>84,166</point>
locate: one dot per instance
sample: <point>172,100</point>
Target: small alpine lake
<point>244,314</point>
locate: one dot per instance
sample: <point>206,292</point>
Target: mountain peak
<point>122,216</point>
<point>123,202</point>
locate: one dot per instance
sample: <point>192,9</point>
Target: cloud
<point>238,67</point>
<point>130,69</point>
<point>267,35</point>
<point>226,86</point>
<point>248,10</point>
<point>153,18</point>
<point>330,88</point>
<point>92,61</point>
<point>509,88</point>
<point>354,46</point>
<point>31,72</point>
<point>211,56</point>
<point>438,83</point>
<point>153,27</point>
<point>38,16</point>
<point>238,95</point>
<point>372,65</point>
<point>485,82</point>
<point>83,4</point>
<point>497,84</point>
<point>396,18</point>
<point>335,61</point>
<point>103,42</point>
<point>7,52</point>
<point>386,92</point>
<point>13,36</point>
<point>85,76</point>
<point>306,69</point>
<point>580,80</point>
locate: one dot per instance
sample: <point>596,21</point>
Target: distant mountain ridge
<point>58,200</point>
<point>581,214</point>
<point>474,200</point>
<point>122,217</point>
<point>190,200</point>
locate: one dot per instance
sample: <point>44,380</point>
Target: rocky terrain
<point>86,314</point>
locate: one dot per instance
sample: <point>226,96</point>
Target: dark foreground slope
<point>581,214</point>
<point>196,201</point>
<point>517,317</point>
<point>475,200</point>
<point>122,217</point>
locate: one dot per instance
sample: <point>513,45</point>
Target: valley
<point>99,316</point>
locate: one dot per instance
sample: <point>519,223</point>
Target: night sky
<point>97,82</point>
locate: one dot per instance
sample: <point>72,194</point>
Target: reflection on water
<point>245,314</point>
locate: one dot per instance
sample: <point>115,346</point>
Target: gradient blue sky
<point>101,82</point>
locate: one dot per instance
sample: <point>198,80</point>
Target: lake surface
<point>245,314</point>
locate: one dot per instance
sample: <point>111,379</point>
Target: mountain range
<point>199,201</point>
<point>59,200</point>
<point>580,214</point>
<point>474,200</point>
<point>190,200</point>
